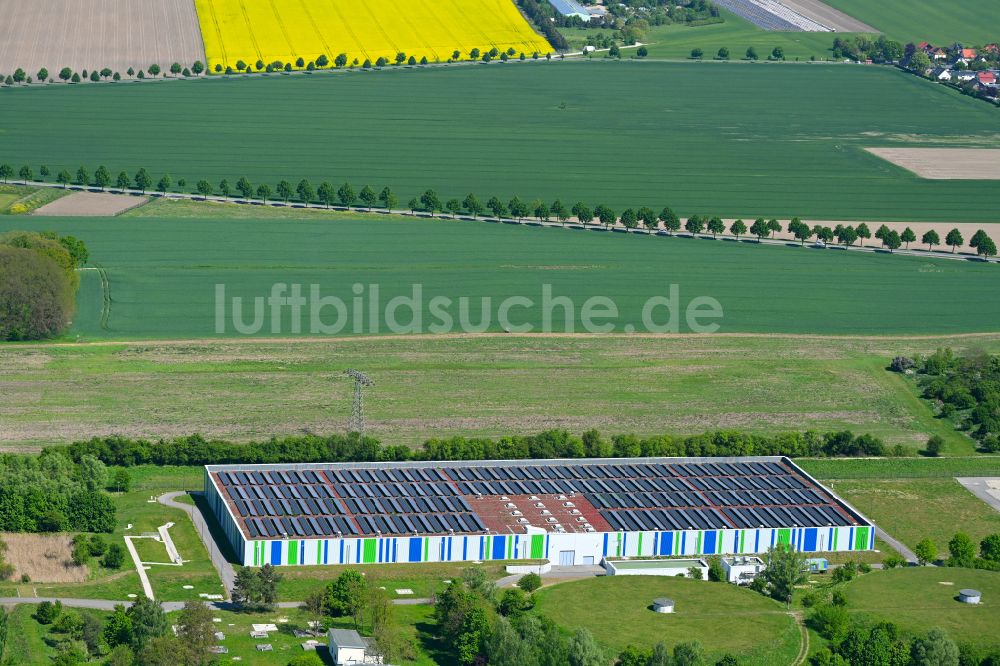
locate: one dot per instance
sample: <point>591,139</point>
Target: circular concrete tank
<point>969,596</point>
<point>663,605</point>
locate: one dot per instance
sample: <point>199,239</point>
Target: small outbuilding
<point>969,596</point>
<point>348,647</point>
<point>665,567</point>
<point>742,569</point>
<point>663,605</point>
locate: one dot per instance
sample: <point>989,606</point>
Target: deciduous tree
<point>388,198</point>
<point>864,233</point>
<point>738,228</point>
<point>694,224</point>
<point>430,201</point>
<point>305,192</point>
<point>284,190</point>
<point>346,195</point>
<point>473,205</point>
<point>926,552</point>
<point>326,193</point>
<point>962,549</point>
<point>954,239</point>
<point>102,177</point>
<point>142,180</point>
<point>368,196</point>
<point>786,568</point>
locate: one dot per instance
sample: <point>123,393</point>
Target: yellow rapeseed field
<point>286,30</point>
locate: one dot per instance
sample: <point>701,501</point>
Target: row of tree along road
<point>305,194</point>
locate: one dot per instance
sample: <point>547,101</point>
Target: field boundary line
<point>496,334</point>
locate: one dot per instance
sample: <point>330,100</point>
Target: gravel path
<point>225,569</point>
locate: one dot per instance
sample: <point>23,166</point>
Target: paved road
<point>225,569</point>
<point>986,488</point>
<point>900,547</point>
<point>168,606</point>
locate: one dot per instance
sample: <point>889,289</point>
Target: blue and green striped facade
<point>387,550</point>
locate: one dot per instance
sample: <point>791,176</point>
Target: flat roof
<point>347,638</point>
<point>329,500</point>
<point>686,563</point>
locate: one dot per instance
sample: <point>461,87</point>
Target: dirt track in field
<point>826,15</point>
<point>93,34</point>
<point>945,163</point>
<point>90,204</point>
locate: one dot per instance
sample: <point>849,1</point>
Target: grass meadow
<point>920,598</point>
<point>756,628</point>
<point>676,40</point>
<point>489,385</point>
<point>780,141</point>
<point>916,509</point>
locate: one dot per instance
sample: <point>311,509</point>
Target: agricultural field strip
<point>97,33</point>
<point>551,105</point>
<point>234,30</point>
<point>967,22</point>
<point>945,163</point>
<point>91,204</point>
<point>828,16</point>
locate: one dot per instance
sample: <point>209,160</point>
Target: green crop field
<point>165,275</point>
<point>756,628</point>
<point>971,22</point>
<point>778,141</point>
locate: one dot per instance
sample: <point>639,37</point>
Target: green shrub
<point>715,571</point>
<point>114,557</point>
<point>830,622</point>
<point>530,582</point>
<point>47,612</point>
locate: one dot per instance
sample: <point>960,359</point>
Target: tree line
<point>52,493</point>
<point>69,75</point>
<point>140,635</point>
<point>38,283</point>
<point>346,196</point>
<point>195,450</point>
<point>965,390</point>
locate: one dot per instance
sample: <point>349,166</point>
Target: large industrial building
<point>565,511</point>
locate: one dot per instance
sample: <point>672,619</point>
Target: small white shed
<point>347,647</point>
